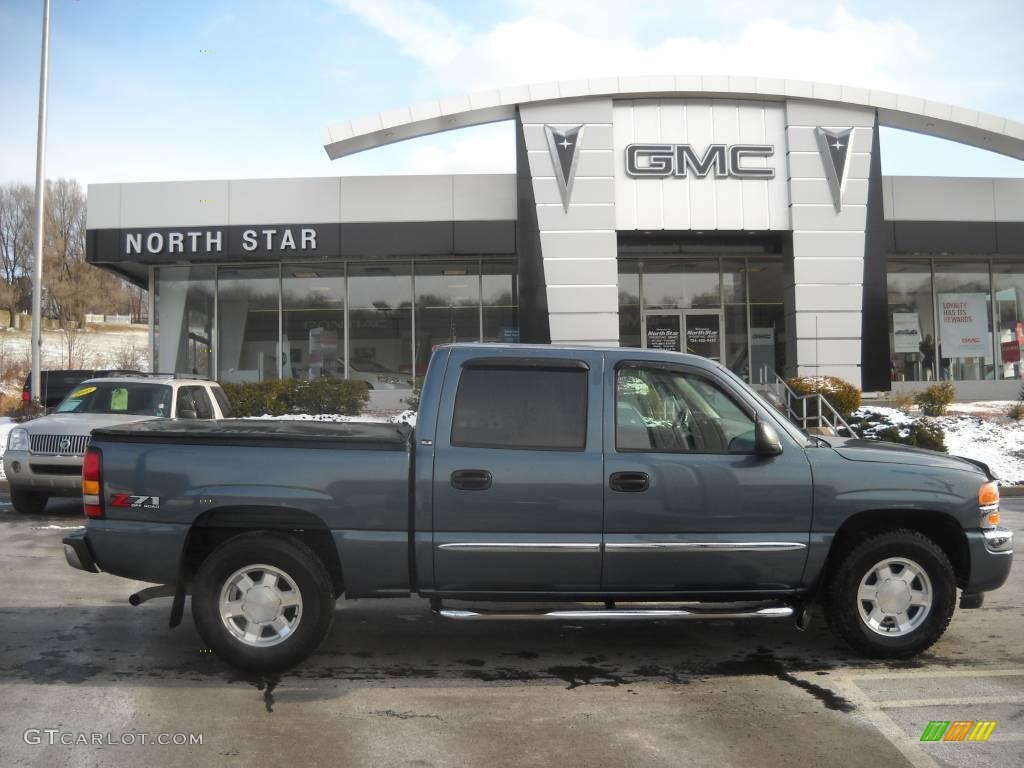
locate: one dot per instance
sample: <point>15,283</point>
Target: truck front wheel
<point>263,601</point>
<point>892,595</point>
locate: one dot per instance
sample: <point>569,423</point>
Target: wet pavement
<point>394,685</point>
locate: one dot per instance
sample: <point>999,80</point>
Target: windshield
<point>126,398</point>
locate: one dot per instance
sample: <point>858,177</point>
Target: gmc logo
<point>680,160</point>
<point>135,502</point>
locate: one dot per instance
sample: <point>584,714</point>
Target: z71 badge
<point>135,502</point>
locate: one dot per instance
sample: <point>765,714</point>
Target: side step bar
<point>653,614</point>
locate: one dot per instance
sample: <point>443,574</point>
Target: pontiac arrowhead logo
<point>562,144</point>
<point>835,155</point>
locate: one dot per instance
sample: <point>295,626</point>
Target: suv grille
<point>58,445</point>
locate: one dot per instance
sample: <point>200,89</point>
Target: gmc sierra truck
<point>602,483</point>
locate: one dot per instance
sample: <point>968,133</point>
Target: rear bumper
<point>991,557</point>
<point>77,552</point>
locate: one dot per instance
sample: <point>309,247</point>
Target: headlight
<point>988,504</point>
<point>17,440</point>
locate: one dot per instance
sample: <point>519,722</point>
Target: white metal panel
<point>725,122</point>
<point>174,204</point>
<point>553,217</point>
<point>284,201</point>
<point>579,245</point>
<point>647,123</point>
<point>588,190</point>
<point>396,198</point>
<point>826,244</point>
<point>825,217</point>
<point>1009,194</point>
<point>755,202</point>
<point>590,326</point>
<point>920,198</point>
<point>104,206</point>
<point>675,198</point>
<point>840,325</point>
<point>580,271</point>
<point>625,188</point>
<point>484,197</point>
<point>700,132</point>
<point>581,298</point>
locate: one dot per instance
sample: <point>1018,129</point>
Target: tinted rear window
<point>517,407</point>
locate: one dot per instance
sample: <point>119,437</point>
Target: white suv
<point>44,456</point>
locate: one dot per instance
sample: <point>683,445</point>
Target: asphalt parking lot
<point>394,685</point>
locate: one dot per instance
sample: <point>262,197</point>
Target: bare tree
<point>16,209</point>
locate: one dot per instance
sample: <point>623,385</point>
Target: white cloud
<point>535,48</point>
<point>422,31</point>
<point>486,149</point>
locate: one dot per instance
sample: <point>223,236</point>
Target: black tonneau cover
<point>370,435</point>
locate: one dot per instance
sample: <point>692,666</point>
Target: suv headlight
<point>17,440</point>
<point>988,504</point>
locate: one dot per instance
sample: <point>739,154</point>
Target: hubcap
<point>260,605</point>
<point>894,597</point>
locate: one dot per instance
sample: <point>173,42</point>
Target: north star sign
<point>724,160</point>
<point>212,241</point>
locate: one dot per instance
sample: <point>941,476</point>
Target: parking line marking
<point>895,735</point>
<point>912,673</point>
<point>953,701</point>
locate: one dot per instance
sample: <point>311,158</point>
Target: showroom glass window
<point>767,317</point>
<point>681,284</point>
<point>912,338</point>
<point>447,306</point>
<point>734,310</point>
<point>380,324</point>
<point>313,302</point>
<point>500,301</point>
<point>248,319</point>
<point>183,326</point>
<point>963,306</point>
<point>1008,279</point>
<point>629,303</point>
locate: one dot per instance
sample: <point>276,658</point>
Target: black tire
<point>29,502</point>
<point>842,607</point>
<point>301,567</point>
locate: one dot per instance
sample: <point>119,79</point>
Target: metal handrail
<point>824,416</point>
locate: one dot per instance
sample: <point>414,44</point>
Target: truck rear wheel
<point>263,601</point>
<point>892,596</point>
<point>29,502</point>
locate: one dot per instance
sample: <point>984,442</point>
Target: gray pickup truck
<point>603,483</point>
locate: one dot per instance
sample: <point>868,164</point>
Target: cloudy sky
<point>176,89</point>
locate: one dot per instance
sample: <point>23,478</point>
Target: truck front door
<point>518,473</point>
<point>688,506</point>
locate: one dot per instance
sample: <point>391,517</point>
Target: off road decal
<point>135,502</point>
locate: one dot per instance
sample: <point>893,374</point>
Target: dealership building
<point>743,219</point>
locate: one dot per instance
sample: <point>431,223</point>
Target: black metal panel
<point>533,299</point>
<point>938,237</point>
<point>399,238</point>
<point>874,345</point>
<point>485,237</point>
<point>1010,237</point>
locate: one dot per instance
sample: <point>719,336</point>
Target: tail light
<point>26,396</point>
<point>92,483</point>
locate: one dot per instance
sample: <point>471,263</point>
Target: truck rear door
<point>518,472</point>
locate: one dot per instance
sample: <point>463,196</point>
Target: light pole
<point>37,270</point>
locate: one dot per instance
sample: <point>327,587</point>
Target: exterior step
<point>775,611</point>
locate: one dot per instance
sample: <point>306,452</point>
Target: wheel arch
<point>216,526</point>
<point>944,529</point>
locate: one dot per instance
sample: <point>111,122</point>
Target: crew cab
<point>606,483</point>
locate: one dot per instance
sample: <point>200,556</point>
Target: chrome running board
<point>614,614</point>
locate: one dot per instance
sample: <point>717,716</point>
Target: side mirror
<point>187,413</point>
<point>766,439</point>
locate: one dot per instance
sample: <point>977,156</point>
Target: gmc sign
<point>680,160</point>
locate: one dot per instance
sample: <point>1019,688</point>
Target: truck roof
<point>555,350</point>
